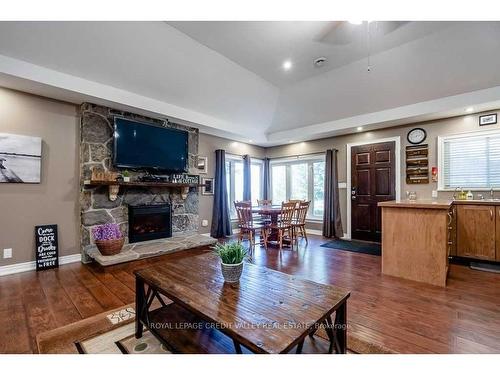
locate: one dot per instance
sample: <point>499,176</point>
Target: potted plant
<point>126,176</point>
<point>108,238</point>
<point>231,255</point>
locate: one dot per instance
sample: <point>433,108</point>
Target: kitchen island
<point>415,239</point>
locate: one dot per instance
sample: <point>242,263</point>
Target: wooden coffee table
<point>267,312</point>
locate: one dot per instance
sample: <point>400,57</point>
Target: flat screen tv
<point>144,146</point>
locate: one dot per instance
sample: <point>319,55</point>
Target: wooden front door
<point>373,180</point>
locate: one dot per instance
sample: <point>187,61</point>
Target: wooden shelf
<point>114,186</point>
<point>141,183</point>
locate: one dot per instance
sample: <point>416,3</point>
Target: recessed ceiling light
<point>250,141</point>
<point>290,141</point>
<point>287,65</point>
<point>359,128</point>
<point>355,22</point>
<point>235,144</point>
<point>469,109</point>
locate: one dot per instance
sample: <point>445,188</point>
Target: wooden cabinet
<point>452,231</point>
<point>498,233</point>
<point>477,231</point>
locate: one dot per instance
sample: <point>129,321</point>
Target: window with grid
<point>470,161</point>
<point>303,179</point>
<point>234,181</point>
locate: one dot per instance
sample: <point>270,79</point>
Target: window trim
<point>231,158</point>
<point>440,162</point>
<point>287,162</point>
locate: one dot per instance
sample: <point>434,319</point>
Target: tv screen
<point>143,146</point>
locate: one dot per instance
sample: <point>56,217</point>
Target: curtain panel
<point>247,178</point>
<point>221,221</point>
<point>266,179</point>
<point>332,223</point>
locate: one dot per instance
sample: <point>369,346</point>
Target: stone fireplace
<point>96,147</point>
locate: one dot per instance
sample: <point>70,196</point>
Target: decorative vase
<point>231,272</point>
<point>110,247</point>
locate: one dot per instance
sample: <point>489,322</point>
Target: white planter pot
<point>126,179</point>
<point>232,272</point>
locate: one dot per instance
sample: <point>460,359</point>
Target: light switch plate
<point>434,194</point>
<point>204,223</point>
<point>7,253</point>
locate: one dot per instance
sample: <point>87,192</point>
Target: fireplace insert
<point>149,222</point>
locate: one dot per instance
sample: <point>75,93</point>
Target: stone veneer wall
<point>96,147</point>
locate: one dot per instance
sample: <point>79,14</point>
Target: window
<point>301,178</point>
<point>469,161</point>
<point>234,181</point>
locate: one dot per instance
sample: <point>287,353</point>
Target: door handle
<point>491,214</point>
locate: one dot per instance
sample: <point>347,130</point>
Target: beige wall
<point>454,125</point>
<point>207,146</point>
<point>55,199</point>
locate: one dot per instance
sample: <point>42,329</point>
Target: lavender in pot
<point>108,238</point>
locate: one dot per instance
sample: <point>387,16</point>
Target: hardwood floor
<point>404,316</point>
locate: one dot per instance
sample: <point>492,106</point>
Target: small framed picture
<point>488,119</point>
<point>202,164</point>
<point>208,186</point>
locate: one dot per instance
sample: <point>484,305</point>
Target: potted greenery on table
<point>231,255</point>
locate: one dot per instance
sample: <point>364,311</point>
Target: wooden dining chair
<point>296,201</point>
<point>299,221</point>
<point>246,224</point>
<point>283,227</point>
<point>264,219</point>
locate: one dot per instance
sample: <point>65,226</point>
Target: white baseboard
<point>31,266</point>
<point>314,231</point>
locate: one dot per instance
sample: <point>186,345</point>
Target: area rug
<point>371,248</point>
<point>112,332</point>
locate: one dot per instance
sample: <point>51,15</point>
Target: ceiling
<point>227,78</point>
<point>262,47</point>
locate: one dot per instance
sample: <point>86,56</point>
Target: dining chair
<point>296,201</point>
<point>283,227</point>
<point>265,219</point>
<point>246,223</point>
<point>299,221</point>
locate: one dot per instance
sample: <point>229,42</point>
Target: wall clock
<point>416,136</point>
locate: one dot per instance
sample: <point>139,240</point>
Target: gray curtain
<point>332,223</point>
<point>266,180</point>
<point>221,222</point>
<point>247,178</point>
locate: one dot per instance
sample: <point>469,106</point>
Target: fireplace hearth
<point>149,222</point>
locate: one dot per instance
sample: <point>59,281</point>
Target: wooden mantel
<point>114,186</point>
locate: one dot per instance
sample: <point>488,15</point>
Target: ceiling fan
<point>345,32</point>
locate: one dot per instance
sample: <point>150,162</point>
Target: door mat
<point>371,248</point>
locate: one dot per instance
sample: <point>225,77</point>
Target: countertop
<point>419,203</point>
<point>443,204</point>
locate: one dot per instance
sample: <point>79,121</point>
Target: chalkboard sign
<point>46,247</point>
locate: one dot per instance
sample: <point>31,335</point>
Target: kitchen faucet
<point>491,193</point>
